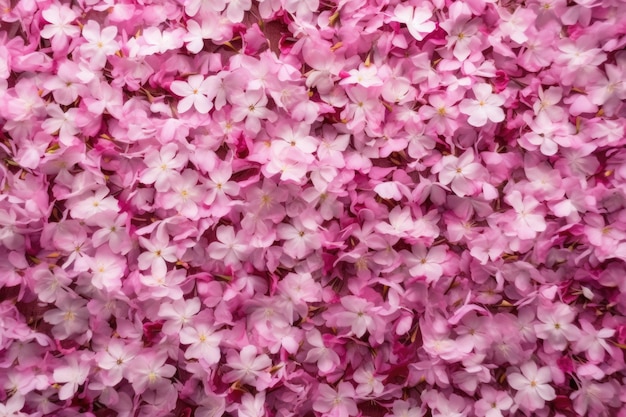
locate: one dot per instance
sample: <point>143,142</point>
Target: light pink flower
<point>426,262</point>
<point>59,28</point>
<point>197,92</point>
<point>72,375</point>
<point>230,248</point>
<point>417,20</point>
<point>339,402</point>
<point>148,370</point>
<point>178,314</point>
<point>460,173</point>
<point>556,326</point>
<point>101,43</point>
<point>485,106</point>
<point>203,341</point>
<point>251,105</point>
<point>532,386</point>
<point>248,367</point>
<point>492,403</point>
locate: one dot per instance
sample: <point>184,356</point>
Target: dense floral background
<point>309,208</point>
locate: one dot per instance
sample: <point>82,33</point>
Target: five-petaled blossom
<point>532,386</point>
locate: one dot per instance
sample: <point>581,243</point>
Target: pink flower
<point>337,403</point>
<point>61,123</point>
<point>12,406</point>
<point>148,370</point>
<point>59,28</point>
<point>248,367</point>
<point>369,383</point>
<point>158,252</point>
<point>185,194</point>
<point>220,186</point>
<point>69,318</point>
<point>529,219</point>
<point>325,358</point>
<point>357,314</point>
<point>198,32</point>
<point>365,75</point>
<point>197,92</point>
<point>548,103</point>
<point>112,231</point>
<point>67,85</point>
<point>252,406</point>
<point>593,398</point>
<point>50,283</point>
<point>203,343</point>
<point>178,314</point>
<point>532,385</point>
<point>416,19</point>
<point>402,408</point>
<point>115,359</point>
<point>236,9</point>
<point>72,375</point>
<point>163,166</point>
<point>300,238</point>
<point>107,270</point>
<point>426,263</point>
<point>460,173</point>
<point>485,106</point>
<point>154,40</point>
<point>230,248</point>
<point>461,36</point>
<point>101,43</point>
<point>492,403</point>
<point>593,341</point>
<point>557,326</point>
<point>251,106</point>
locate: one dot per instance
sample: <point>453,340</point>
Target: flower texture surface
<point>313,208</point>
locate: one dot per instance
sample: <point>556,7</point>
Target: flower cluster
<point>285,208</point>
